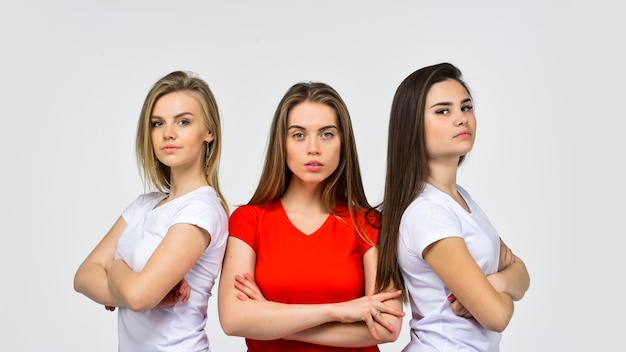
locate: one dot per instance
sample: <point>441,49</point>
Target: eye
<point>156,123</point>
<point>467,108</point>
<point>297,135</point>
<point>184,122</point>
<point>442,112</point>
<point>327,134</point>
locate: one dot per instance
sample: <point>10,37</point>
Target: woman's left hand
<point>248,287</point>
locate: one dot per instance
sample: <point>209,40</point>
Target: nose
<point>461,119</point>
<point>313,147</point>
<point>169,131</point>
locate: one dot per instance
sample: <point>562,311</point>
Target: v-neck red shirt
<point>292,267</point>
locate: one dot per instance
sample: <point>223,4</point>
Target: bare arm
<point>386,326</point>
<point>265,320</point>
<point>513,280</point>
<point>453,263</point>
<point>173,258</point>
<point>91,277</point>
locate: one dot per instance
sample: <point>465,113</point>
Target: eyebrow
<point>319,129</point>
<point>175,116</point>
<point>448,103</point>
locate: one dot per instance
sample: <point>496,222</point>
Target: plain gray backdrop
<point>547,79</point>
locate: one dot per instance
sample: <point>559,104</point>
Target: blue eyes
<point>159,123</point>
<point>324,135</point>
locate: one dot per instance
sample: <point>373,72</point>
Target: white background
<point>547,78</point>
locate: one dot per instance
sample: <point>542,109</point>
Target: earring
<point>208,154</point>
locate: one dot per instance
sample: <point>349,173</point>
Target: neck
<point>443,177</point>
<point>181,184</point>
<point>303,198</point>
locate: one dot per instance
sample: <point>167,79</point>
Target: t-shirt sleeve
<point>203,215</point>
<point>370,225</point>
<point>243,224</point>
<point>427,223</point>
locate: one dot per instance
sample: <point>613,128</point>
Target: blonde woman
<point>158,263</point>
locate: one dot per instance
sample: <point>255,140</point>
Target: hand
<point>506,256</point>
<point>458,308</point>
<point>248,287</point>
<point>369,309</point>
<point>180,293</point>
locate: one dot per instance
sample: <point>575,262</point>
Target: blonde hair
<point>157,175</point>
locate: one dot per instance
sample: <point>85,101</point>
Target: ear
<point>209,137</point>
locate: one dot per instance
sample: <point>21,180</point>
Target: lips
<point>313,165</point>
<point>169,148</point>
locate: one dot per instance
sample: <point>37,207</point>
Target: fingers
<point>380,318</point>
<point>458,308</point>
<point>248,286</point>
<point>371,327</point>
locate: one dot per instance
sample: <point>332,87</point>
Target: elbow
<point>229,323</point>
<point>139,305</point>
<point>390,336</point>
<point>499,323</point>
<point>138,302</point>
<point>229,327</point>
<point>497,326</point>
<point>228,330</point>
<point>78,282</point>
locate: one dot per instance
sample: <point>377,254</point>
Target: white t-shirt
<point>432,216</point>
<point>181,327</point>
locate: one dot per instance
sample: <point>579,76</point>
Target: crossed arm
<point>245,312</point>
<point>159,284</point>
<point>492,296</point>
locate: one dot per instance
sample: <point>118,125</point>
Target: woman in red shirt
<point>300,263</point>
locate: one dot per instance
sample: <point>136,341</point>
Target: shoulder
<point>146,200</point>
<point>259,208</point>
<point>430,210</point>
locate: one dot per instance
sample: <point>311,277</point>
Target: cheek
<point>335,151</point>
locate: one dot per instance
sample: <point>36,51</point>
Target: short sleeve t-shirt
<point>434,215</point>
<point>181,327</point>
<point>292,267</point>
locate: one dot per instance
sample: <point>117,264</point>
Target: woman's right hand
<point>369,309</point>
<point>180,293</point>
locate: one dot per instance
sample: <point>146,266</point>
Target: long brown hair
<point>157,175</point>
<point>344,185</point>
<point>407,164</point>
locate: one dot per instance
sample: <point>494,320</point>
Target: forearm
<point>266,320</point>
<point>91,280</point>
<point>122,283</point>
<point>513,280</point>
<point>347,335</point>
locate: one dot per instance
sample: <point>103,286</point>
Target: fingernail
<point>451,297</point>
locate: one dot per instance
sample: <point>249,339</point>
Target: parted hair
<point>407,164</point>
<point>344,185</point>
<point>157,175</point>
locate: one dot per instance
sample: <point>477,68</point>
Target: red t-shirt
<point>323,267</point>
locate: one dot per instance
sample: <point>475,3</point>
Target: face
<point>449,122</point>
<point>178,132</point>
<point>313,142</point>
